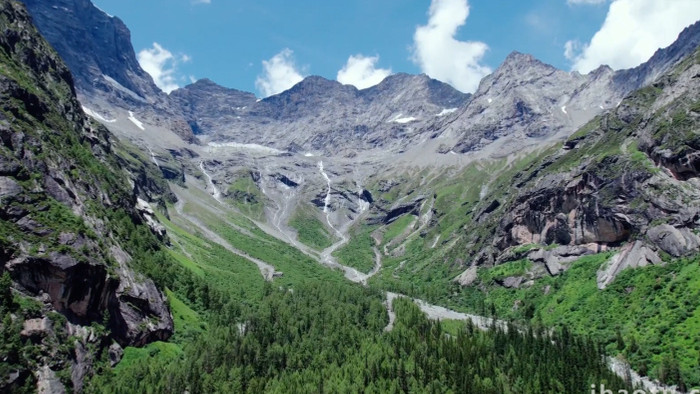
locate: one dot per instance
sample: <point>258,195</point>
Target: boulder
<point>467,277</point>
<point>674,241</point>
<point>8,188</point>
<point>36,328</point>
<point>146,212</point>
<point>47,382</point>
<point>511,282</point>
<point>632,255</point>
<point>115,354</point>
<point>557,260</point>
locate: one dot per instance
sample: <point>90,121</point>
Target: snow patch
<point>490,101</point>
<point>97,116</point>
<point>563,109</point>
<point>484,191</point>
<point>361,203</point>
<point>446,111</point>
<point>254,147</point>
<point>399,119</point>
<point>135,121</point>
<point>308,154</point>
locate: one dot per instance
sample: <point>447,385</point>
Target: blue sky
<point>265,46</point>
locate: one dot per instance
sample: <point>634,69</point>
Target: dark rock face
<point>97,49</point>
<point>569,212</point>
<point>285,180</point>
<point>104,45</point>
<point>395,212</point>
<point>366,196</point>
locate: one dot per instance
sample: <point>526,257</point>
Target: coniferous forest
<point>330,338</point>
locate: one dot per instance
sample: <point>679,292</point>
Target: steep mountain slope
<point>97,49</point>
<point>67,215</point>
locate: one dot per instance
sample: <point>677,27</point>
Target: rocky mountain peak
<point>401,86</point>
<point>315,85</point>
<point>96,46</point>
<point>401,79</point>
<point>208,87</point>
<point>516,57</point>
<point>518,69</point>
<point>601,70</point>
<point>108,77</point>
<point>205,100</point>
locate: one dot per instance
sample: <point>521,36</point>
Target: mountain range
<point>546,197</point>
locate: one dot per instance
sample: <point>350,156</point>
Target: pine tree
<point>6,302</point>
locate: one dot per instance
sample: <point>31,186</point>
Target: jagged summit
<point>313,93</point>
<point>526,98</point>
<point>93,44</point>
<point>97,48</point>
<point>516,57</point>
<point>205,103</point>
<point>323,114</point>
<point>417,87</point>
<point>522,99</point>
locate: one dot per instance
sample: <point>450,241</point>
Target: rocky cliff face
<point>65,202</point>
<point>97,49</point>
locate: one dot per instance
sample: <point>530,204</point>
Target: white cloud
<point>633,30</point>
<point>576,2</point>
<point>279,74</point>
<point>440,55</point>
<point>571,49</point>
<point>161,64</point>
<point>362,72</point>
